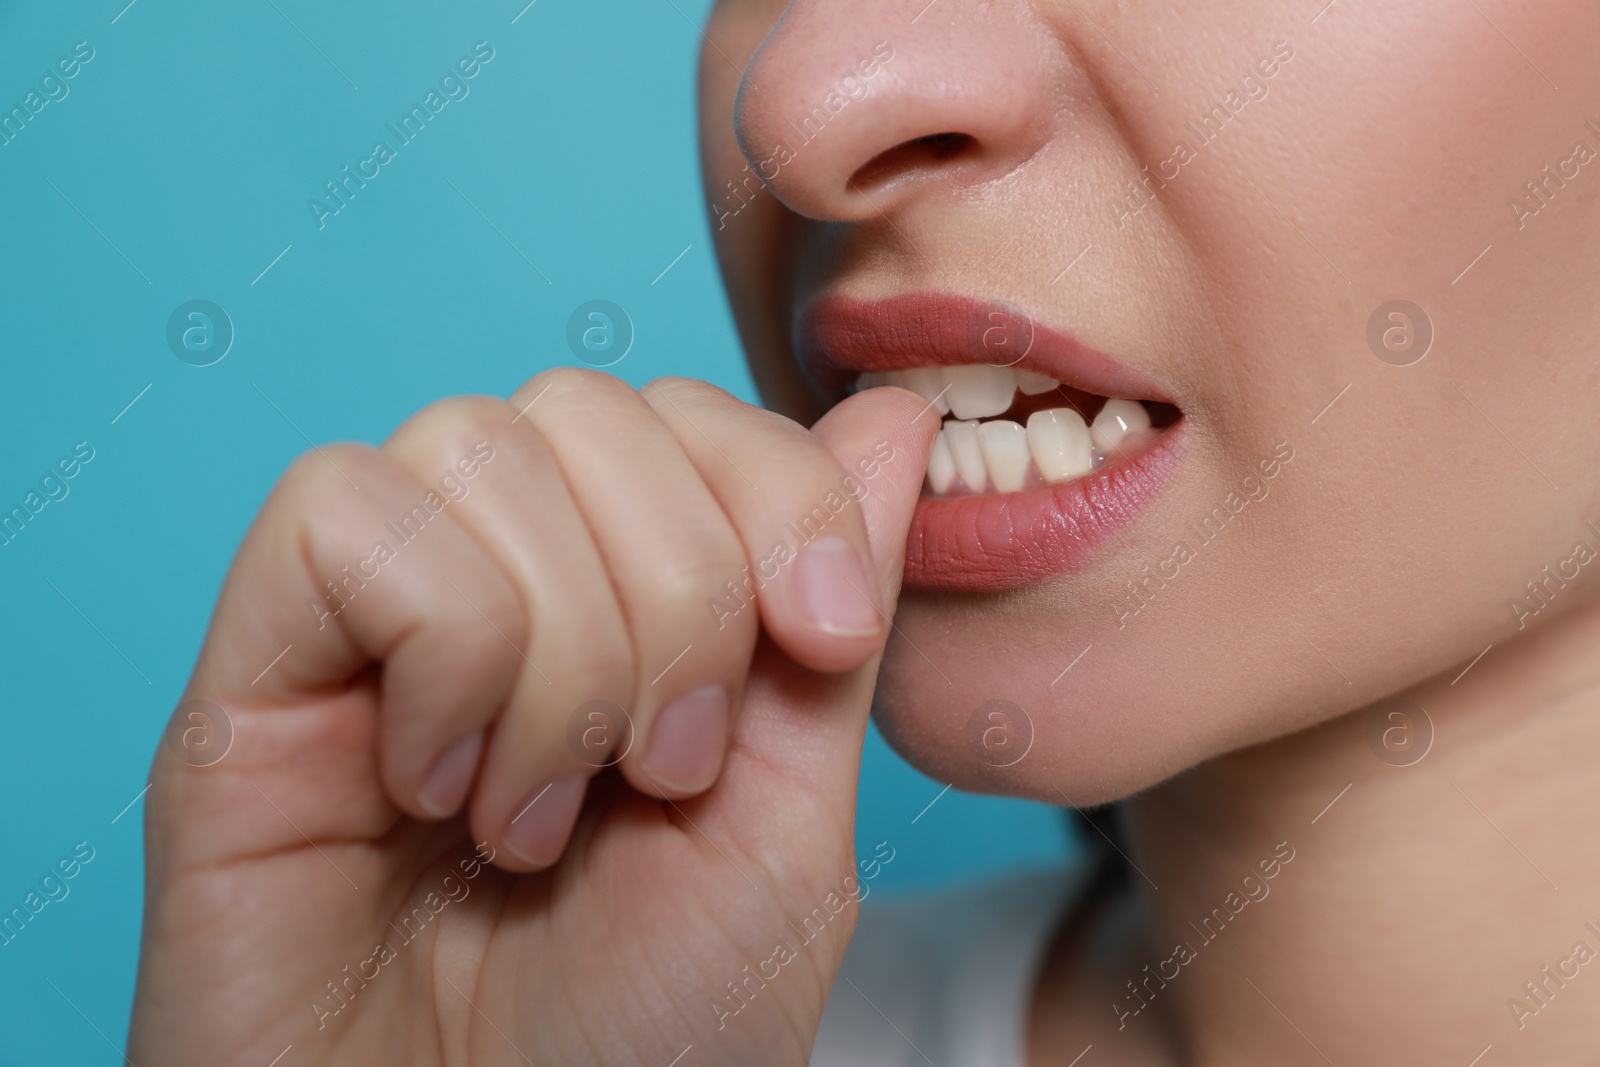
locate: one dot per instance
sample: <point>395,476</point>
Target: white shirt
<point>945,978</point>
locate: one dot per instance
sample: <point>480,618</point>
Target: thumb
<point>795,759</point>
<point>879,423</point>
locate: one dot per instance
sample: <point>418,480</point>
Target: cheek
<point>1383,163</point>
<point>1412,127</point>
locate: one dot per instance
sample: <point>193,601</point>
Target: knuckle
<point>569,385</point>
<point>677,387</point>
<point>499,613</point>
<point>592,646</point>
<point>454,425</point>
<point>605,669</point>
<point>315,505</point>
<point>683,587</point>
<point>319,475</point>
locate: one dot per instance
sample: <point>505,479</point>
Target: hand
<point>409,853</point>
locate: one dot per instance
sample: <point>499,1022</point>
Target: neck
<point>1431,908</point>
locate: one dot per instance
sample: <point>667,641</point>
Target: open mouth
<point>1047,446</point>
<point>1009,429</point>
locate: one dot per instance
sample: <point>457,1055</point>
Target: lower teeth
<point>999,455</point>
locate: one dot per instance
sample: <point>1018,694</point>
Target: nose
<point>851,107</point>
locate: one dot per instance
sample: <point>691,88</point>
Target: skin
<point>1233,708</point>
<point>1381,560</point>
<point>300,892</point>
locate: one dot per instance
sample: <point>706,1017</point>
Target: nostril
<point>920,153</point>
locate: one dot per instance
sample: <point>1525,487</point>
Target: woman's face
<point>1212,206</point>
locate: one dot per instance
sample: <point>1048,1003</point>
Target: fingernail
<point>686,742</point>
<point>447,785</point>
<point>832,589</point>
<point>538,831</point>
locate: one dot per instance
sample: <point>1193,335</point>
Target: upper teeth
<point>969,391</point>
<point>1117,419</point>
<point>997,454</point>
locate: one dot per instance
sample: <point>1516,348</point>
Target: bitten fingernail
<point>687,740</point>
<point>538,831</point>
<point>450,778</point>
<point>832,590</point>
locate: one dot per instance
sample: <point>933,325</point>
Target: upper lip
<point>836,337</point>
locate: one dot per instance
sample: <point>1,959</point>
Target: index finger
<point>797,510</point>
<point>353,562</point>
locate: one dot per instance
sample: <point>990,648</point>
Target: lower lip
<point>996,541</point>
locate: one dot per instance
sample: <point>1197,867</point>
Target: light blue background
<point>190,145</point>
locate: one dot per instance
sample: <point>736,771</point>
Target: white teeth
<point>1117,419</point>
<point>978,390</point>
<point>1033,384</point>
<point>1004,445</point>
<point>941,464</point>
<point>964,449</point>
<point>1059,442</point>
<point>999,455</point>
<point>970,391</point>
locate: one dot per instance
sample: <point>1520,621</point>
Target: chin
<point>975,692</point>
<point>1037,692</point>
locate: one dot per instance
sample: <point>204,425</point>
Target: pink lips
<point>996,540</point>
